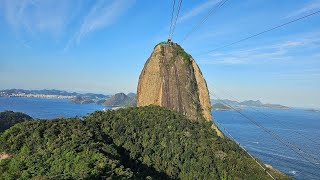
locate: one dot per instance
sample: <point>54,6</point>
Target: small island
<point>81,100</point>
<point>220,107</point>
<point>312,110</point>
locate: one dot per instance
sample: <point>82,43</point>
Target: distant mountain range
<point>248,103</point>
<point>220,106</point>
<point>119,99</point>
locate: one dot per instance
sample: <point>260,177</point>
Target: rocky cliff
<point>171,78</point>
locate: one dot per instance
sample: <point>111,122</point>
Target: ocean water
<point>299,127</point>
<point>47,108</point>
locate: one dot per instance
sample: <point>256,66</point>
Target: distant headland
<point>122,99</point>
<point>227,104</point>
<point>118,99</point>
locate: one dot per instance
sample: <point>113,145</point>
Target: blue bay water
<point>47,108</point>
<point>296,126</point>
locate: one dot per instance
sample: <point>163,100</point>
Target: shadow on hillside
<point>140,170</point>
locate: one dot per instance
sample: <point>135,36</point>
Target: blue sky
<point>101,46</point>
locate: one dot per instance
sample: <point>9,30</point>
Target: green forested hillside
<point>59,149</point>
<point>172,144</point>
<point>133,143</point>
<point>10,118</point>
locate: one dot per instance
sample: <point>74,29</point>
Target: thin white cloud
<point>38,16</point>
<point>269,53</point>
<point>31,17</point>
<point>198,9</point>
<point>246,57</point>
<point>314,5</point>
<point>102,14</point>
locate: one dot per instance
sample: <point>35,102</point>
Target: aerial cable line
<point>175,21</point>
<point>265,169</point>
<point>261,139</point>
<point>255,109</point>
<point>204,19</point>
<point>173,5</point>
<point>274,135</point>
<point>265,31</point>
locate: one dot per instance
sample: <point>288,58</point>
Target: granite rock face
<point>171,78</point>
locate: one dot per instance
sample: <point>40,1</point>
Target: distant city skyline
<point>101,46</point>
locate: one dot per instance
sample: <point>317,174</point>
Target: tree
<point>10,118</point>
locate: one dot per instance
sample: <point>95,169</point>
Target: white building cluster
<point>37,96</point>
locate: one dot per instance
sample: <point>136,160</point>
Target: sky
<point>101,46</point>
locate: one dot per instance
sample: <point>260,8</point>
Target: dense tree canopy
<point>10,118</point>
<point>132,143</point>
<point>176,146</point>
<point>59,149</point>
